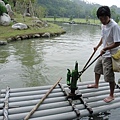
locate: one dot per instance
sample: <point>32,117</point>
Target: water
<point>38,62</point>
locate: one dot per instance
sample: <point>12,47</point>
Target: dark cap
<point>103,11</point>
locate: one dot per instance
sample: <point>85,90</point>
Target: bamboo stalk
<point>41,100</point>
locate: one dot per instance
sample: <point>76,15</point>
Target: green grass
<point>78,20</point>
<point>7,31</point>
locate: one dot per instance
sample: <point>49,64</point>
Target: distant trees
<point>117,19</point>
<point>114,14</point>
<point>74,8</point>
<point>67,8</point>
<point>61,8</point>
<point>62,12</point>
<point>94,13</point>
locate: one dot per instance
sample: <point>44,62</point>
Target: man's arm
<point>114,45</point>
<point>99,44</point>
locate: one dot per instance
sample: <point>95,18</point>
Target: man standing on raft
<point>110,40</point>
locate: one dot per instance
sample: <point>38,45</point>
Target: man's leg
<point>96,84</point>
<point>112,88</point>
<point>111,95</point>
<point>98,71</point>
<point>109,77</point>
<point>97,78</point>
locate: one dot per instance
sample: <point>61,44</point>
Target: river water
<point>39,62</point>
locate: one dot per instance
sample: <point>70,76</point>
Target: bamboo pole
<point>89,60</point>
<point>83,113</point>
<point>81,85</point>
<point>41,100</point>
<point>89,65</point>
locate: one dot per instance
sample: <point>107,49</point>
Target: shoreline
<point>75,23</point>
<point>30,36</point>
<point>40,34</point>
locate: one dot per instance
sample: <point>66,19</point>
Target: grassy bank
<point>77,20</point>
<point>80,20</point>
<point>7,31</point>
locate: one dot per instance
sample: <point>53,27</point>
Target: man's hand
<point>102,52</point>
<point>95,48</point>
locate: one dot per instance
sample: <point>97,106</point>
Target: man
<point>110,40</point>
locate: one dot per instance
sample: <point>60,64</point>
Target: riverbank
<point>95,22</point>
<point>35,30</point>
<point>92,22</point>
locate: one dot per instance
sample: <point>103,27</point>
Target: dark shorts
<point>104,66</point>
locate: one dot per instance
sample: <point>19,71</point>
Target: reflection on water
<point>38,62</point>
<point>43,61</point>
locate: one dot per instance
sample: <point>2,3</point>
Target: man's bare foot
<point>109,99</point>
<point>92,86</point>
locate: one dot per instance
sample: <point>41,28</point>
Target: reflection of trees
<point>4,53</point>
<point>33,76</point>
<point>31,58</point>
<point>82,29</point>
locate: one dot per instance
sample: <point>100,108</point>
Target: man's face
<point>104,20</point>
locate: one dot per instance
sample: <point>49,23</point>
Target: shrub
<point>2,9</point>
<point>117,19</point>
<point>5,1</point>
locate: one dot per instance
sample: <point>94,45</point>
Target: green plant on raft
<point>2,9</point>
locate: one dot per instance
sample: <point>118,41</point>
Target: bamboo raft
<point>15,104</point>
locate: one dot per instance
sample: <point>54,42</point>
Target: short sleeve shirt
<point>110,35</point>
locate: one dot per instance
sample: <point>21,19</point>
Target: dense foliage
<point>74,8</point>
<point>62,8</point>
<point>5,1</point>
<point>2,9</point>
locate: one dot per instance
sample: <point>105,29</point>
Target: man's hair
<point>103,11</point>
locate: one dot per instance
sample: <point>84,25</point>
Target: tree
<point>55,17</point>
<point>87,16</point>
<point>27,1</point>
<point>5,1</point>
<point>71,8</point>
<point>117,18</point>
<point>71,18</point>
<point>79,10</point>
<point>94,13</point>
<point>14,3</point>
<point>62,11</point>
<point>2,9</point>
<point>39,10</point>
<point>87,19</point>
<point>22,6</point>
<point>113,13</point>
